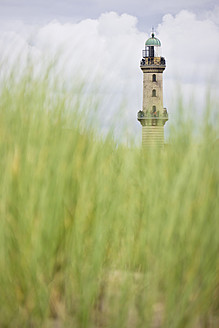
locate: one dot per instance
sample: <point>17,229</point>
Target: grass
<point>97,234</point>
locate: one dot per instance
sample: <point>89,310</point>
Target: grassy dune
<point>96,234</point>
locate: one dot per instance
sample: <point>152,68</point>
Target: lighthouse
<point>152,116</point>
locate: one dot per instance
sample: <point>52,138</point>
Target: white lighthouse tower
<point>152,116</point>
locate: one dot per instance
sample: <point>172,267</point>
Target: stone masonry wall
<point>152,136</point>
<point>148,87</point>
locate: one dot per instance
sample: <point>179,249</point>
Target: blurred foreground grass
<point>96,234</point>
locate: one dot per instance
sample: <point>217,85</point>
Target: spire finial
<point>152,34</point>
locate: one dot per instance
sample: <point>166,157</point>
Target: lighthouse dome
<point>152,41</point>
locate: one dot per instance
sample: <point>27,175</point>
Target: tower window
<point>153,93</point>
<point>154,78</point>
<point>154,109</point>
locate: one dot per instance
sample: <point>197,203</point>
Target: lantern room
<point>152,47</point>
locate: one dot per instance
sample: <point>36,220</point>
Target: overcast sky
<point>148,12</point>
<point>105,38</point>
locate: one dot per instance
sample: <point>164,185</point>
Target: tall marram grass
<point>96,234</point>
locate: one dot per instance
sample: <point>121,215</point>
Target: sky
<point>102,42</point>
<point>148,12</point>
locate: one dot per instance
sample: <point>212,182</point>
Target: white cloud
<point>192,51</point>
<point>106,52</point>
<point>213,15</point>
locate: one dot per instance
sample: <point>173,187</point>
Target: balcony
<point>152,118</point>
<point>153,61</point>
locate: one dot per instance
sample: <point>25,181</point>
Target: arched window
<point>154,109</point>
<point>153,93</point>
<point>154,78</point>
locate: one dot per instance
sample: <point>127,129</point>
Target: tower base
<point>153,136</point>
